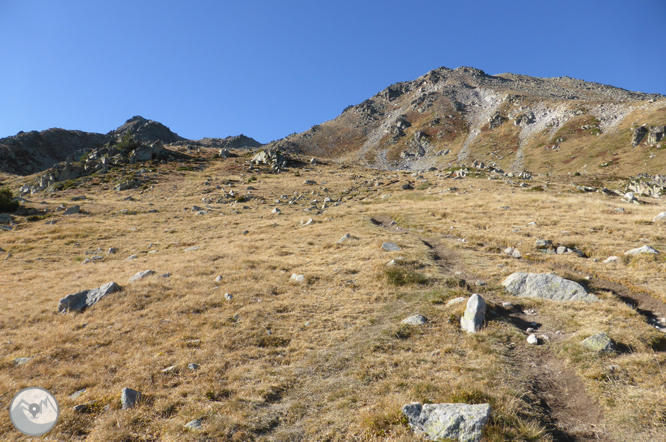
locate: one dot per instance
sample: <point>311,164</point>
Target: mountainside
<point>32,152</point>
<point>452,117</point>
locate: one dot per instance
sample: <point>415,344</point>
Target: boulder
<point>642,250</point>
<point>475,314</point>
<point>660,217</point>
<point>546,286</point>
<point>463,422</point>
<point>129,398</point>
<point>84,299</point>
<point>415,320</point>
<point>638,135</point>
<point>656,134</point>
<point>141,275</point>
<point>72,210</point>
<point>5,219</point>
<point>599,343</point>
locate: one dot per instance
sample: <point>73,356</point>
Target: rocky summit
<point>461,257</point>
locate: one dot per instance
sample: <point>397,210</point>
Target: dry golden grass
<point>326,359</point>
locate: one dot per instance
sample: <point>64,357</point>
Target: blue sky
<point>271,68</point>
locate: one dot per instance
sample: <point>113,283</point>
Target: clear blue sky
<point>270,68</point>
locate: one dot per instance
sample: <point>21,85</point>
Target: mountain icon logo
<point>34,411</point>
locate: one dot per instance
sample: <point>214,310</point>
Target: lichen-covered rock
<point>546,286</point>
<point>599,342</point>
<point>463,422</point>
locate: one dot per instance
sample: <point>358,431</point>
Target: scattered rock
<point>414,320</point>
<point>191,249</point>
<point>129,398</point>
<point>141,275</point>
<point>610,260</point>
<point>642,250</point>
<point>546,286</point>
<point>84,299</point>
<point>532,339</point>
<point>310,182</point>
<point>193,424</point>
<point>297,278</point>
<point>112,251</point>
<point>276,211</point>
<point>166,275</point>
<point>131,257</point>
<point>307,223</point>
<point>193,366</point>
<point>21,361</point>
<point>72,210</point>
<point>345,238</point>
<point>660,217</point>
<point>390,247</point>
<point>475,314</point>
<point>407,186</point>
<point>463,422</point>
<point>218,278</point>
<point>76,394</point>
<point>599,342</point>
<point>455,301</point>
<point>228,296</point>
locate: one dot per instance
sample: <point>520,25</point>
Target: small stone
<point>218,278</point>
<point>345,238</point>
<point>310,182</point>
<point>194,424</point>
<point>415,320</point>
<point>276,211</point>
<point>76,394</point>
<point>131,257</point>
<point>530,330</point>
<point>297,278</point>
<point>86,261</point>
<point>20,361</point>
<point>191,249</point>
<point>390,247</point>
<point>642,250</point>
<point>129,398</point>
<point>193,366</point>
<point>228,296</point>
<point>610,260</point>
<point>532,339</point>
<point>141,275</point>
<point>165,275</point>
<point>455,301</point>
<point>481,283</point>
<point>112,251</point>
<point>170,369</point>
<point>660,217</point>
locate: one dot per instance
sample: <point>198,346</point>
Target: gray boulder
<point>642,250</point>
<point>599,342</point>
<point>660,217</point>
<point>84,299</point>
<point>141,275</point>
<point>463,422</point>
<point>129,398</point>
<point>475,314</point>
<point>415,320</point>
<point>638,135</point>
<point>546,286</point>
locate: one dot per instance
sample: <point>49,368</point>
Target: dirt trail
<point>567,411</point>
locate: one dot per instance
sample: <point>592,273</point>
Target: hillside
<point>453,117</point>
<point>32,152</point>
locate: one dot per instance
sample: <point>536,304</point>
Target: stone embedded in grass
<point>475,314</point>
<point>297,278</point>
<point>660,217</point>
<point>72,210</point>
<point>610,260</point>
<point>218,278</point>
<point>131,257</point>
<point>310,182</point>
<point>191,249</point>
<point>141,275</point>
<point>76,394</point>
<point>642,250</point>
<point>346,237</point>
<point>228,296</point>
<point>21,361</point>
<point>532,339</point>
<point>415,320</point>
<point>129,398</point>
<point>599,342</point>
<point>84,299</point>
<point>546,286</point>
<point>390,247</point>
<point>193,366</point>
<point>463,422</point>
<point>194,424</point>
<point>307,223</point>
<point>276,211</point>
<point>455,301</point>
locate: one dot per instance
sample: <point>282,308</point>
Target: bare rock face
<point>638,135</point>
<point>462,422</point>
<point>546,286</point>
<point>81,300</point>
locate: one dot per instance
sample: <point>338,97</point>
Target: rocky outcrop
<point>271,157</point>
<point>235,142</point>
<point>638,135</point>
<point>656,134</point>
<point>146,131</point>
